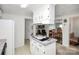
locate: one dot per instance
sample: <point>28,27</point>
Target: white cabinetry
<point>36,17</point>
<point>39,49</point>
<point>44,14</point>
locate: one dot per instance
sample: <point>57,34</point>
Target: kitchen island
<point>41,45</point>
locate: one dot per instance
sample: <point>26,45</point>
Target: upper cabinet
<point>44,14</point>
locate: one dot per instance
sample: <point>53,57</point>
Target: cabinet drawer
<point>37,44</point>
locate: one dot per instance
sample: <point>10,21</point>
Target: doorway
<point>58,30</point>
<point>74,31</point>
<point>25,50</point>
<point>28,30</point>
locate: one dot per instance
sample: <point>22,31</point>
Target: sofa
<point>73,39</point>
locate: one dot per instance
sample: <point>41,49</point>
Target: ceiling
<point>60,9</point>
<point>16,9</point>
<point>66,9</point>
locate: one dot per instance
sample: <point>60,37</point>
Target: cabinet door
<point>46,17</point>
<point>36,17</point>
<point>52,14</point>
<point>41,49</point>
<point>33,49</point>
<point>48,14</point>
<point>45,14</point>
<point>51,49</point>
<point>41,52</point>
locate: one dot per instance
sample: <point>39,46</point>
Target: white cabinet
<point>44,14</point>
<point>39,49</point>
<point>36,17</point>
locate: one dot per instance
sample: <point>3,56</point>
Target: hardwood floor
<point>72,50</point>
<point>61,50</point>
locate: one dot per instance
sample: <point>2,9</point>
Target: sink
<point>44,39</point>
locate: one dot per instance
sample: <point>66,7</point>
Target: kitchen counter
<point>46,42</point>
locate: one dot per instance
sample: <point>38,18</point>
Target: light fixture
<point>60,26</point>
<point>24,5</point>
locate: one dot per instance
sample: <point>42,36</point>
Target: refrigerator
<point>7,32</point>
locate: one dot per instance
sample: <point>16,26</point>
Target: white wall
<point>75,25</point>
<point>19,28</point>
<point>71,25</point>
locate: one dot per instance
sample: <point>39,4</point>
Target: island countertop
<point>46,42</point>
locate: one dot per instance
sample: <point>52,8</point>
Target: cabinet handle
<point>43,51</point>
<point>48,8</point>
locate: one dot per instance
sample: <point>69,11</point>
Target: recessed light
<point>24,5</point>
<point>60,26</point>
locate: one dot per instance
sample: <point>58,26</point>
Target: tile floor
<point>25,50</point>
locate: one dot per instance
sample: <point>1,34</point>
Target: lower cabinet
<point>39,49</point>
<point>36,50</point>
